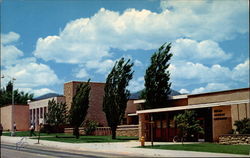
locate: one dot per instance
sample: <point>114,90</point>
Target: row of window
<point>36,114</point>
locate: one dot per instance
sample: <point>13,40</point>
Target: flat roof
<point>230,90</point>
<point>196,106</point>
<point>84,82</point>
<point>183,96</point>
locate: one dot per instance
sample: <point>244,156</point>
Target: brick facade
<point>20,116</point>
<point>95,103</point>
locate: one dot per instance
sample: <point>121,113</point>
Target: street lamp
<point>12,109</point>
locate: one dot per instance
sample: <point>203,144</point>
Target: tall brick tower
<point>95,101</point>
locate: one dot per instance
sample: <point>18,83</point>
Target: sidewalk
<point>124,148</point>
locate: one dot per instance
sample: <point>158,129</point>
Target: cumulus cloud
<point>31,74</point>
<point>9,38</point>
<point>90,39</point>
<point>241,72</point>
<point>202,19</point>
<point>28,72</point>
<point>210,87</point>
<point>101,67</point>
<point>188,73</point>
<point>9,52</point>
<point>82,73</point>
<point>203,51</point>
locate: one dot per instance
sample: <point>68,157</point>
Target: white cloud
<point>42,91</point>
<point>101,67</point>
<point>9,52</point>
<point>211,87</point>
<point>202,19</point>
<point>205,51</point>
<point>136,85</point>
<point>188,73</point>
<point>9,38</point>
<point>82,74</point>
<point>31,74</point>
<point>37,92</point>
<point>184,91</point>
<point>241,72</point>
<point>90,39</point>
<point>199,73</point>
<point>28,72</point>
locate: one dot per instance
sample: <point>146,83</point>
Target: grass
<point>89,139</point>
<point>206,147</point>
<point>27,133</point>
<point>68,138</point>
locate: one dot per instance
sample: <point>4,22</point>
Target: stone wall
<point>128,130</point>
<point>234,139</point>
<point>123,130</point>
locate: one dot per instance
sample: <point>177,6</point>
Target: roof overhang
<point>195,106</point>
<point>140,101</point>
<point>133,114</point>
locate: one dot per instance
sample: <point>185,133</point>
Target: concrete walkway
<point>123,148</point>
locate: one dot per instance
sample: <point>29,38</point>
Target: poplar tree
<point>116,95</point>
<point>157,84</point>
<point>79,107</point>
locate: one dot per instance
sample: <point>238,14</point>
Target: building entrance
<point>165,129</point>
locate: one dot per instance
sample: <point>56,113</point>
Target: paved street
<point>10,151</point>
<point>118,149</point>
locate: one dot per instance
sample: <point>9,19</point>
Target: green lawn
<point>206,147</point>
<point>89,139</point>
<point>69,138</point>
<point>27,133</point>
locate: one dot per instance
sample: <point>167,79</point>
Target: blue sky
<point>46,43</point>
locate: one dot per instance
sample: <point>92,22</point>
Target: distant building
<point>15,113</point>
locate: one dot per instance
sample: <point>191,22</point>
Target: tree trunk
<point>113,130</point>
<point>76,132</point>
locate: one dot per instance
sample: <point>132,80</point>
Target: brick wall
<point>6,117</point>
<point>20,117</point>
<point>95,101</point>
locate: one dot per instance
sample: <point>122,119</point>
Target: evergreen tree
<point>19,97</point>
<point>116,95</point>
<point>79,107</point>
<point>57,113</point>
<point>157,85</point>
<point>187,124</point>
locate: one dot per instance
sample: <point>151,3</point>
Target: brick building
<point>15,113</point>
<point>217,112</point>
<point>95,100</point>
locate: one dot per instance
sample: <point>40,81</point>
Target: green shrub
<point>243,126</point>
<point>90,126</point>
